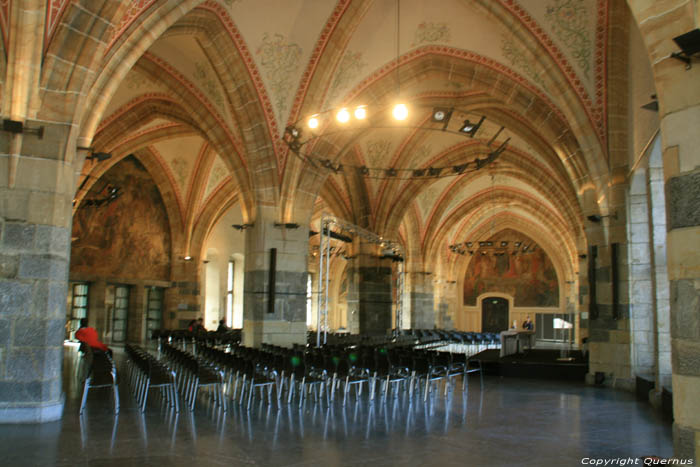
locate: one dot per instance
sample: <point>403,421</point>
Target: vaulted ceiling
<point>208,102</point>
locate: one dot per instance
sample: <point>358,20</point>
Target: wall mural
<point>521,269</point>
<point>128,237</point>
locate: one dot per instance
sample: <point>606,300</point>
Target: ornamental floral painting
<point>569,22</point>
<point>280,60</point>
<point>523,271</point>
<point>128,237</point>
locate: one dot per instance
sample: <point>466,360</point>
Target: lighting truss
<point>391,249</point>
<point>301,136</point>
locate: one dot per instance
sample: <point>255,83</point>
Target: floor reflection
<point>491,421</point>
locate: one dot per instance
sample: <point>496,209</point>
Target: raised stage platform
<point>535,363</point>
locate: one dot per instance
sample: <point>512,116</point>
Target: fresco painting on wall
<point>128,237</point>
<point>525,272</point>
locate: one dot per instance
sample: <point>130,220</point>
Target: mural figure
<point>130,236</point>
<point>526,273</point>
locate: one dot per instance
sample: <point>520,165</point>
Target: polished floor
<point>504,422</point>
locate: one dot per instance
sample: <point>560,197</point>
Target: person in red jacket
<point>88,336</point>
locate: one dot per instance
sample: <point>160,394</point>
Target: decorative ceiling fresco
<point>207,102</point>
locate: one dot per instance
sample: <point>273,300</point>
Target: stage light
<point>361,112</point>
<point>343,115</point>
<point>313,122</point>
<point>400,112</point>
<point>470,128</point>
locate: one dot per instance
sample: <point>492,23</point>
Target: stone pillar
<point>373,290</point>
<point>353,296</point>
<point>679,110</point>
<point>446,303</point>
<point>182,299</point>
<point>136,324</point>
<point>642,320</point>
<point>97,313</point>
<point>659,273</point>
<point>683,208</point>
<point>285,322</point>
<point>421,300</point>
<point>35,226</point>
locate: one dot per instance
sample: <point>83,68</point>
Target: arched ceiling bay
<point>534,68</point>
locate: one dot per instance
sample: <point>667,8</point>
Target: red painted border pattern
<point>456,53</point>
<point>249,62</point>
<point>54,12</point>
<point>105,122</point>
<point>203,99</point>
<point>145,131</point>
<point>169,173</point>
<point>135,10</point>
<point>595,110</point>
<point>305,81</point>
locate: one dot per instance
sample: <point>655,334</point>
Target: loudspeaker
<point>592,300</point>
<point>272,279</point>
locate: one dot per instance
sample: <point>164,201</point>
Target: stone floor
<point>505,422</point>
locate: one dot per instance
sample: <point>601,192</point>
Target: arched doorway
<point>494,314</point>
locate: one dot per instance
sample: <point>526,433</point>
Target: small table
<point>514,341</point>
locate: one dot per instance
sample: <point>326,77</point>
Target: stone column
<point>136,323</point>
<point>35,226</point>
<point>421,300</point>
<point>283,323</point>
<point>182,299</point>
<point>97,313</point>
<point>374,286</point>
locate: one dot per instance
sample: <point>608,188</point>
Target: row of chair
<point>192,374</point>
<point>146,372</point>
<point>101,373</point>
<point>324,371</point>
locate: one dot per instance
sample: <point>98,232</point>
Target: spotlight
<point>459,168</point>
<point>313,122</point>
<point>293,131</point>
<point>470,128</point>
<point>434,171</point>
<point>187,258</point>
<point>100,156</point>
<point>400,112</point>
<point>504,244</point>
<point>343,115</point>
<point>440,114</point>
<point>391,172</point>
<point>361,112</point>
<point>364,170</point>
<point>689,44</point>
<point>418,172</point>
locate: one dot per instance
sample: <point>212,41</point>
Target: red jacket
<point>89,337</point>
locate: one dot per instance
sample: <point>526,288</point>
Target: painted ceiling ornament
<point>137,81</point>
<point>428,32</point>
<point>569,20</point>
<point>349,69</point>
<point>207,83</point>
<point>280,59</point>
<point>378,150</point>
<point>180,168</point>
<point>520,58</point>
